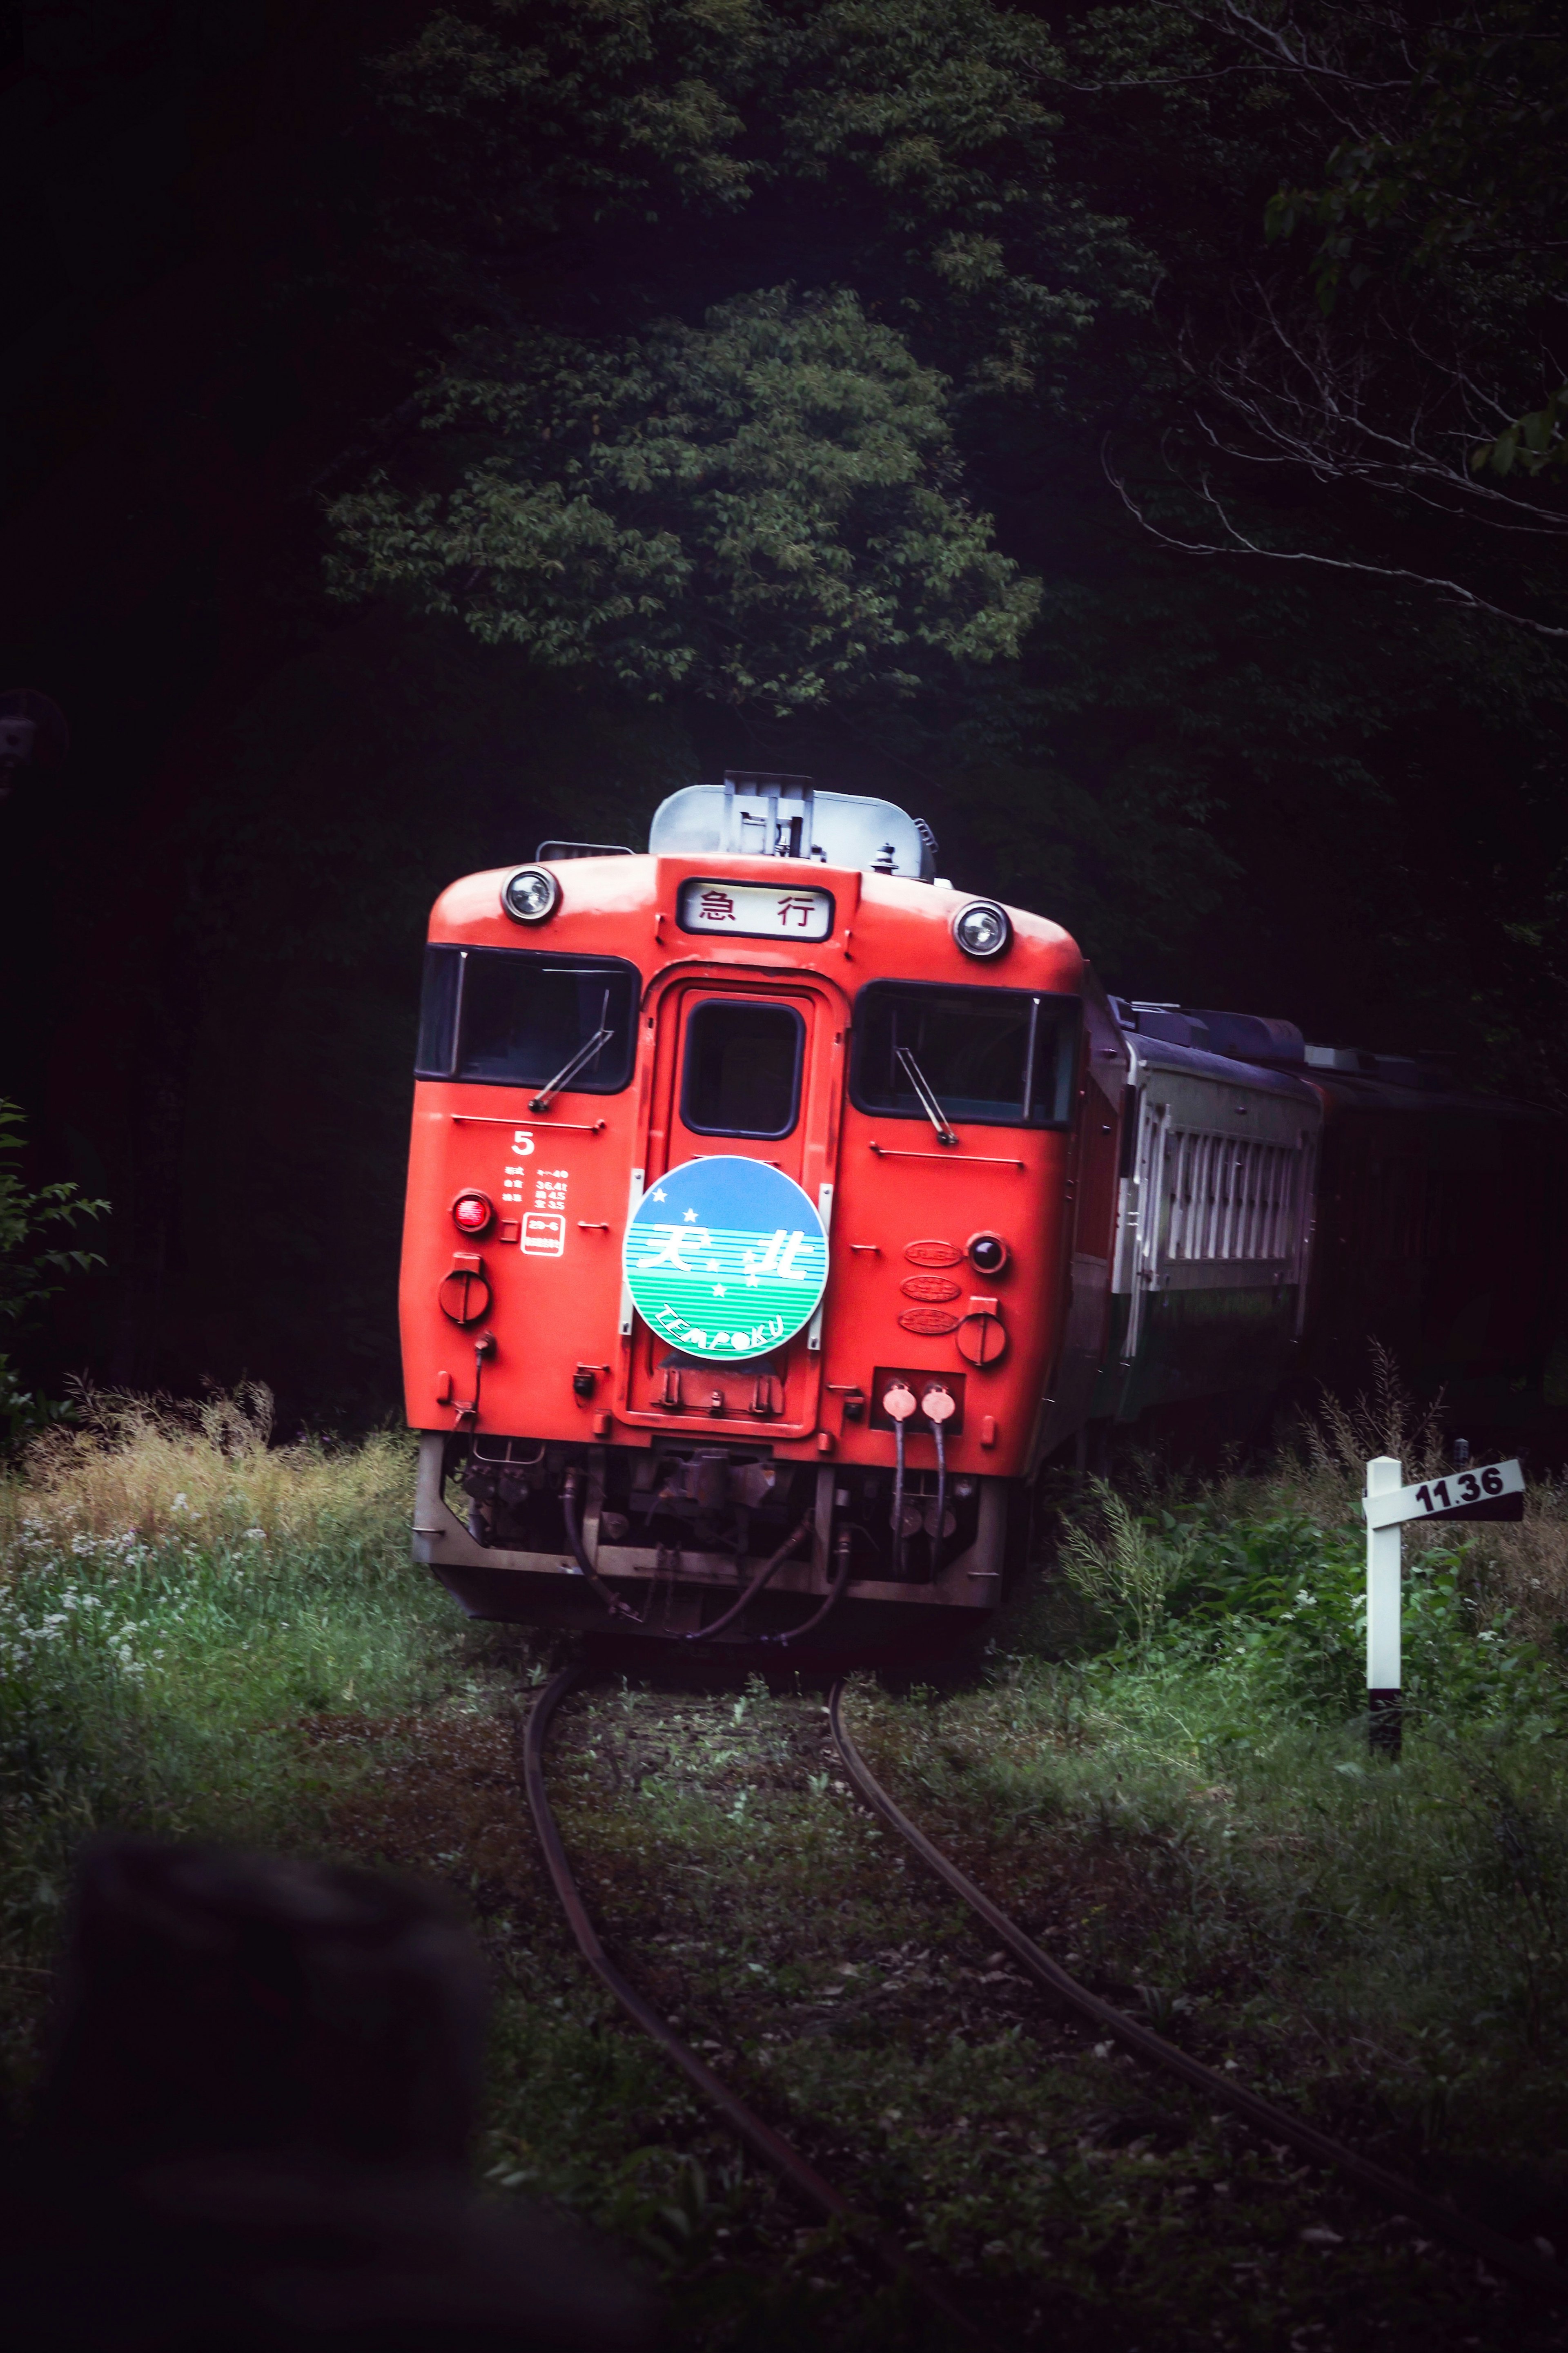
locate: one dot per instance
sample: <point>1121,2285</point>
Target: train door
<point>749,1067</point>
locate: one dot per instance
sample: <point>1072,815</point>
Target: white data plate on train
<point>1454,1492</point>
<point>757,910</point>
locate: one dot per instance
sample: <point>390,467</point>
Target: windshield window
<point>999,1056</point>
<point>742,1068</point>
<point>512,1018</point>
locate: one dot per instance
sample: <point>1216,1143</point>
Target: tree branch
<point>1453,591</point>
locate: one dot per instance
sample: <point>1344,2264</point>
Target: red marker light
<point>471,1213</point>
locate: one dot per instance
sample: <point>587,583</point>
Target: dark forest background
<point>1131,439</point>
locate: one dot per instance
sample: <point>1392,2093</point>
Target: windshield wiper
<point>924,1097</point>
<point>584,1054</point>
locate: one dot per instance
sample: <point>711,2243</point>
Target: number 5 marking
<point>522,1143</point>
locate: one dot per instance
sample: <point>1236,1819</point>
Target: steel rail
<point>759,2137</point>
<point>1534,2270</point>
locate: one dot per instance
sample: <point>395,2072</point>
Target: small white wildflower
<point>179,1505</point>
<point>256,1535</point>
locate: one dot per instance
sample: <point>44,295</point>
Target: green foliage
<point>35,1264</point>
<point>1271,1610</point>
<point>647,455</point>
<point>1130,1568</point>
<point>909,150</point>
<point>765,508</point>
<point>1534,443</point>
<point>1453,173</point>
<point>176,1599</point>
<point>207,1636</point>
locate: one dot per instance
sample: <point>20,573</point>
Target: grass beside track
<point>204,1636</point>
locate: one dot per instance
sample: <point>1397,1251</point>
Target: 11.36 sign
<point>1490,1491</point>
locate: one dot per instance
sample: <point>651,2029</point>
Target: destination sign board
<point>757,910</point>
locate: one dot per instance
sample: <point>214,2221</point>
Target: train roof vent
<point>1253,1037</point>
<point>755,815</point>
<point>1169,1024</point>
<point>1340,1058</point>
<point>1429,1074</point>
<point>558,849</point>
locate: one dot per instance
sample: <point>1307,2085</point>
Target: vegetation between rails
<point>1161,1773</point>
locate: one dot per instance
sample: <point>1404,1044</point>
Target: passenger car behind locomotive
<point>765,1186</point>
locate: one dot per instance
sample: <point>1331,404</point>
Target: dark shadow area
<point>254,2129</point>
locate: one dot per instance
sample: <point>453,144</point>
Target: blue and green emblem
<point>725,1257</point>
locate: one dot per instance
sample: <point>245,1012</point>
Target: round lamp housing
<point>472,1212</point>
<point>530,895</point>
<point>988,1253</point>
<point>983,929</point>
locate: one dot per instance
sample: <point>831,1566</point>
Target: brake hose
<point>841,1549</point>
<point>569,1494</point>
<point>612,1601</point>
<point>938,1404</point>
<point>706,1633</point>
<point>897,1405</point>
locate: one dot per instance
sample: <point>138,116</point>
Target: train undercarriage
<point>660,1543</point>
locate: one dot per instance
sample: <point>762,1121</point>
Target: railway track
<point>1278,2125</point>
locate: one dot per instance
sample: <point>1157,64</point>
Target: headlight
<point>982,929</point>
<point>531,894</point>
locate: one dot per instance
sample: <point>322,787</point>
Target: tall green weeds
<point>1257,1583</point>
<point>178,1600</point>
<point>1187,1716</point>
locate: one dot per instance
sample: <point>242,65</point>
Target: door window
<point>742,1068</point>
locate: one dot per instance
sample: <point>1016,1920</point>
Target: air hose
<point>938,1405</point>
<point>897,1405</point>
<point>841,1549</point>
<point>706,1633</point>
<point>613,1602</point>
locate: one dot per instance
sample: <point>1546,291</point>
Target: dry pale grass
<point>1524,1569</point>
<point>205,1468</point>
<point>1516,1571</point>
<point>1325,1465</point>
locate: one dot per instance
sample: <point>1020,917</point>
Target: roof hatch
<point>756,815</point>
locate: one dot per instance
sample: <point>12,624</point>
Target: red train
<point>775,1211</point>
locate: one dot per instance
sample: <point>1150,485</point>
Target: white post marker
<point>1384,1476</point>
<point>1490,1491</point>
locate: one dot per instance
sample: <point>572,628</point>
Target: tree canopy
<point>764,508</point>
<point>1130,436</point>
<point>1087,398</point>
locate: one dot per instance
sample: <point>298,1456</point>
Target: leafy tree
<point>764,508</point>
<point>733,326</point>
<point>34,1266</point>
<point>642,448</point>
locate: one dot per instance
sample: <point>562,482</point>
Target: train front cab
<point>956,1269</point>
